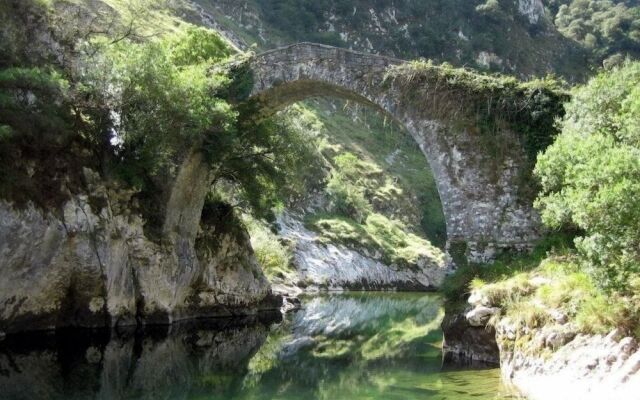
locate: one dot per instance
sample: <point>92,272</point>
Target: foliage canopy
<point>591,175</point>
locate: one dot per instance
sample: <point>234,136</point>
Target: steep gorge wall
<point>91,265</point>
<point>338,267</point>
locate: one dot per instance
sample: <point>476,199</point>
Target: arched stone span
<point>479,191</point>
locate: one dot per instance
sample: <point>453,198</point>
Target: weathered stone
<point>465,344</point>
<point>538,281</point>
<point>557,338</point>
<point>579,367</point>
<point>532,9</point>
<point>335,266</point>
<point>93,268</point>
<point>479,194</point>
<point>480,315</point>
<point>559,316</point>
<point>477,298</point>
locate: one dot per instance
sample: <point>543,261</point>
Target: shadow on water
<point>347,346</point>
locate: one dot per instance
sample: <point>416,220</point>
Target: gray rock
<point>580,366</point>
<point>538,281</point>
<point>478,299</point>
<point>559,316</point>
<point>532,9</point>
<point>480,315</point>
<point>95,267</point>
<point>464,344</point>
<point>558,338</point>
<point>322,265</point>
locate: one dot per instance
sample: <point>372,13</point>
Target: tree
<point>591,175</point>
<point>605,27</point>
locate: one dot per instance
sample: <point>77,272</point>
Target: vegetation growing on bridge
<point>487,105</point>
<point>489,102</point>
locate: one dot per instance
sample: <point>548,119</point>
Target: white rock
<point>532,9</point>
<point>480,315</point>
<point>319,263</point>
<point>559,316</point>
<point>478,299</point>
<point>538,281</point>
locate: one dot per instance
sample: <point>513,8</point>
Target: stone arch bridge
<point>479,185</point>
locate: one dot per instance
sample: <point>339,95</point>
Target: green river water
<point>343,346</point>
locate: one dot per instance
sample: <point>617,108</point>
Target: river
<point>340,346</point>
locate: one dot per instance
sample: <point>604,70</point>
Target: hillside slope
<point>515,37</point>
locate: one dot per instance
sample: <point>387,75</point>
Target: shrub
<point>274,257</point>
<point>347,198</point>
<point>591,175</point>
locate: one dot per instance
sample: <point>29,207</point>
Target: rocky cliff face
<point>91,265</point>
<point>588,367</point>
<point>336,267</point>
<point>467,344</point>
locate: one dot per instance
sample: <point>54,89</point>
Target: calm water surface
<point>347,346</point>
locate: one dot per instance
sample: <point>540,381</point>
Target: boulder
<point>480,315</point>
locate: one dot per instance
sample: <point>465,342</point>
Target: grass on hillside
<point>389,239</point>
<point>401,183</point>
<point>274,256</point>
<point>568,289</point>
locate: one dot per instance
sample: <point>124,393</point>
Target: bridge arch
<point>483,206</point>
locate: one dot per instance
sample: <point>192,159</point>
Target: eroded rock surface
<point>465,343</point>
<point>335,266</point>
<point>551,362</point>
<point>91,265</point>
<point>584,367</point>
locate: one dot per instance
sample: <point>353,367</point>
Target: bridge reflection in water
<point>350,346</point>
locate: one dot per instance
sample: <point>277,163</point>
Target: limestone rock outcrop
<point>335,266</point>
<point>550,362</point>
<point>580,367</point>
<point>90,264</point>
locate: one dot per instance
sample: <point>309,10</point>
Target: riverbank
<point>587,368</point>
<point>554,334</point>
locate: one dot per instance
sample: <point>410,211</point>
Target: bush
<point>348,199</point>
<point>603,26</point>
<point>591,175</point>
<point>274,257</point>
